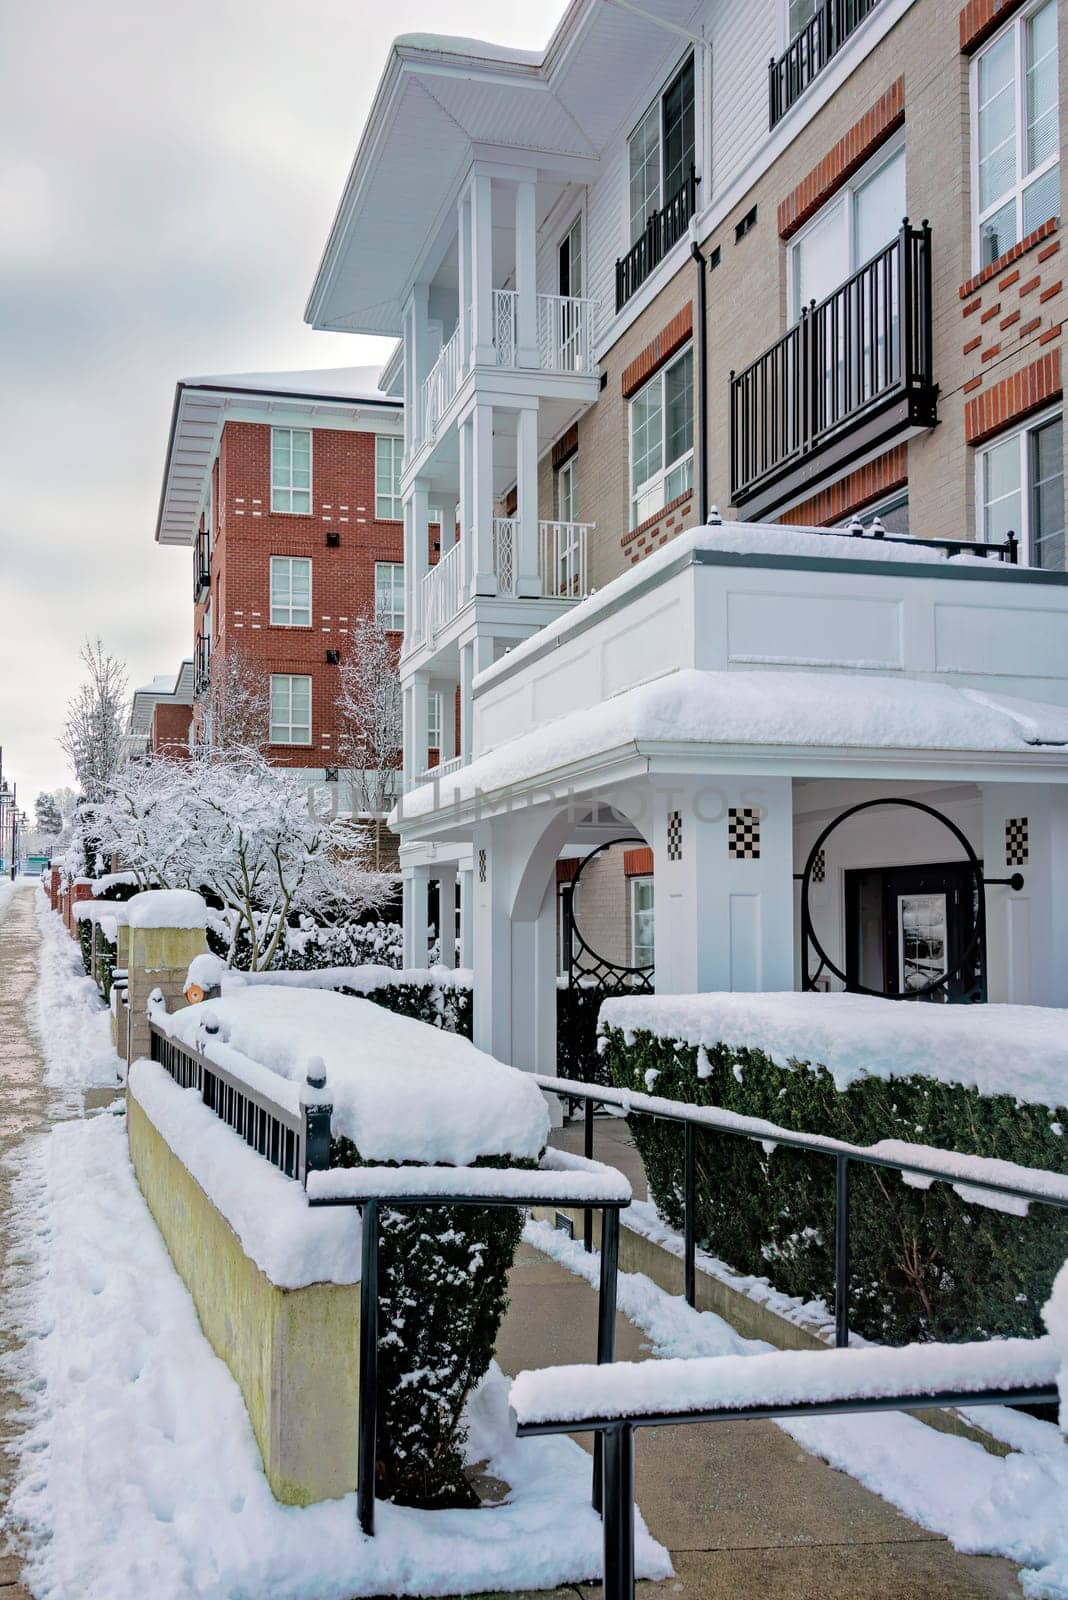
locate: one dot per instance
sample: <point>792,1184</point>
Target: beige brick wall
<point>747,292</point>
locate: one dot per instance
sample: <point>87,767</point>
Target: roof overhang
<point>442,104</point>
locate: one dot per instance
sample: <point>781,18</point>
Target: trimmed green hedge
<point>444,1006</point>
<point>926,1264</point>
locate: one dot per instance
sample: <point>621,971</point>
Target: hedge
<point>446,1006</point>
<point>926,1264</point>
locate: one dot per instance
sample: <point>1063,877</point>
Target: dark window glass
<point>678,114</point>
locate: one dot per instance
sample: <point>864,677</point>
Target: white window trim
<point>278,511</point>
<point>886,153</point>
<point>1018,431</point>
<point>657,99</point>
<point>397,514</point>
<point>578,216</point>
<point>270,592</point>
<point>633,909</point>
<point>667,467</point>
<point>566,472</point>
<point>291,676</point>
<point>391,627</point>
<point>1018,22</point>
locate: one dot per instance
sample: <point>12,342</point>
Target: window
<point>893,513</point>
<point>1014,133</point>
<point>800,14</point>
<point>661,439</point>
<point>566,894</point>
<point>290,592</point>
<point>433,722</point>
<point>570,277</point>
<point>641,922</point>
<point>388,453</point>
<point>661,150</point>
<point>290,709</point>
<point>389,595</point>
<point>291,470</point>
<point>852,228</point>
<point>1021,489</point>
<point>567,491</point>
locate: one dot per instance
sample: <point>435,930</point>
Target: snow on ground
<point>401,1090</point>
<point>7,889</point>
<point>67,1014</point>
<point>985,1505</point>
<point>139,1475</point>
<point>1002,1049</point>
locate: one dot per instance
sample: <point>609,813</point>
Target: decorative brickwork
<point>566,446</point>
<point>658,350</point>
<point>980,18</point>
<point>1014,398</point>
<point>1028,242</point>
<point>658,529</point>
<point>860,488</point>
<point>638,863</point>
<point>843,159</point>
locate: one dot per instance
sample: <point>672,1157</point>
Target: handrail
<point>809,52</point>
<point>440,387</point>
<point>663,230</point>
<point>441,588</point>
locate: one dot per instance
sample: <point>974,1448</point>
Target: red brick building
<point>287,488</point>
<point>161,716</point>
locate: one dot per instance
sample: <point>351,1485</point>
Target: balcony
<point>562,565</point>
<point>809,52</point>
<point>853,374</point>
<point>662,232</point>
<point>201,666</point>
<point>440,388</point>
<point>564,331</point>
<point>202,567</point>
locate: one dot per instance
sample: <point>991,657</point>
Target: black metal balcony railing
<point>202,566</point>
<point>662,231</point>
<point>809,52</point>
<point>201,665</point>
<point>852,373</point>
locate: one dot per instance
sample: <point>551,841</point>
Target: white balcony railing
<point>505,549</point>
<point>440,387</point>
<point>564,331</point>
<point>442,592</point>
<point>441,770</point>
<point>563,559</point>
<point>563,565</point>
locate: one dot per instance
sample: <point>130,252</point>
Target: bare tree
<point>92,737</point>
<point>371,716</point>
<point>237,708</point>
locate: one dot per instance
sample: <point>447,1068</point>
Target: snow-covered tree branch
<point>371,718</point>
<point>237,707</point>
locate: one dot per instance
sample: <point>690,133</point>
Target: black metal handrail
<point>867,345</point>
<point>201,664</point>
<point>810,50</point>
<point>662,231</point>
<point>715,1120</point>
<point>202,565</point>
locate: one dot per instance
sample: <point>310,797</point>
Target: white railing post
<point>565,333</point>
<point>504,327</point>
<point>564,548</point>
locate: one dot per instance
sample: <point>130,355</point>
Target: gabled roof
<point>441,101</point>
<point>165,688</point>
<point>200,409</point>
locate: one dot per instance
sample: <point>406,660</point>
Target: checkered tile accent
<point>674,839</point>
<point>819,867</point>
<point>743,833</point>
<point>1017,846</point>
<point>482,866</point>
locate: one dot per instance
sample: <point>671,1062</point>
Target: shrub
<point>577,1009</point>
<point>445,1006</point>
<point>106,952</point>
<point>85,943</point>
<point>926,1264</point>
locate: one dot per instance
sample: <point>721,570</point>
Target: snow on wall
<point>167,908</point>
<point>996,1049</point>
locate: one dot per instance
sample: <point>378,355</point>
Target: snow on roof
<point>456,45</point>
<point>767,708</point>
<point>996,1049</point>
<point>401,1090</point>
<point>745,539</point>
<point>344,383</point>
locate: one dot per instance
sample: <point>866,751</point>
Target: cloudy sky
<point>168,173</point>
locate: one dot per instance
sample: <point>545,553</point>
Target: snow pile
<point>67,1014</point>
<point>995,1049</point>
<point>1055,1313</point>
<point>783,708</point>
<point>562,1179</point>
<point>401,1090</point>
<point>139,1474</point>
<point>112,880</point>
<point>167,908</point>
<point>291,1243</point>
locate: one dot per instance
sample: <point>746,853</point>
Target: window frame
<point>660,477</point>
<point>846,195</point>
<point>1020,432</point>
<point>396,511</point>
<point>274,621</point>
<point>688,58</point>
<point>578,222</point>
<point>638,882</point>
<point>290,510</point>
<point>1016,24</point>
<point>567,472</point>
<point>396,588</point>
<point>435,723</point>
<point>272,725</point>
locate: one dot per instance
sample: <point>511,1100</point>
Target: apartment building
<point>286,487</point>
<point>161,716</point>
<point>797,263</point>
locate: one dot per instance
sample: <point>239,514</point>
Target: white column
<point>475,657</point>
<point>408,739</point>
<point>528,577</point>
<point>484,580</point>
<point>534,989</point>
<point>416,930</point>
<point>526,246</point>
<point>467,507</point>
<point>466,916</point>
<point>447,691</point>
<point>1026,928</point>
<point>420,556</point>
<point>420,721</point>
<point>492,945</point>
<point>413,620</point>
<point>422,354</point>
<point>445,873</point>
<point>463,252</point>
<point>482,269</point>
<point>722,921</point>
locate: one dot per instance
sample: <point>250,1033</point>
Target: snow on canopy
<point>167,908</point>
<point>996,1049</point>
<point>346,383</point>
<point>401,1090</point>
<point>785,709</point>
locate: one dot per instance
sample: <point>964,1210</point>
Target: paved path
<point>746,1513</point>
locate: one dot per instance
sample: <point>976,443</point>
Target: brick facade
<point>1013,399</point>
<point>871,482</point>
<point>844,158</point>
<point>170,729</point>
<point>980,18</point>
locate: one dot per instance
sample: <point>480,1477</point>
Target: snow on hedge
<point>783,1377</point>
<point>995,1049</point>
<point>207,970</point>
<point>167,908</point>
<point>401,1090</point>
<point>112,880</point>
<point>291,1243</point>
<point>563,1179</point>
<point>1055,1314</point>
